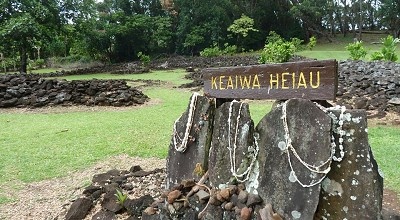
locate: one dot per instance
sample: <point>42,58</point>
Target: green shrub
<point>145,59</point>
<point>377,55</point>
<point>312,43</point>
<point>389,48</point>
<point>273,37</point>
<point>39,63</point>
<point>357,50</point>
<point>229,49</point>
<point>213,51</point>
<point>388,51</point>
<point>297,43</point>
<point>277,50</point>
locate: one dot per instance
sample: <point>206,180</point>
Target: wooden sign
<point>313,80</point>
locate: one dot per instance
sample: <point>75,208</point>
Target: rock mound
<point>30,90</point>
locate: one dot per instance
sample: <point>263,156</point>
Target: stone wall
<point>370,85</point>
<point>30,90</point>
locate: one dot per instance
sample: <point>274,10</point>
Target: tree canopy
<point>117,30</point>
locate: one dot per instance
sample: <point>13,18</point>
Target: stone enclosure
<point>302,161</point>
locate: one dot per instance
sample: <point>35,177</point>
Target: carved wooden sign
<point>313,80</point>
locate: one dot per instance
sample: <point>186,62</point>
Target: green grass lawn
<point>337,49</point>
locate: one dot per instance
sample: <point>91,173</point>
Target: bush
<point>297,43</point>
<point>215,51</point>
<point>273,37</point>
<point>312,43</point>
<point>229,49</point>
<point>145,59</point>
<point>388,51</point>
<point>377,55</point>
<point>389,48</point>
<point>357,50</point>
<point>277,50</point>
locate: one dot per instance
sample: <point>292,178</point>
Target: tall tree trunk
<point>23,60</point>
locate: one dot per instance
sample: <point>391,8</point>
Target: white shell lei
<point>183,145</point>
<point>315,169</point>
<point>232,150</point>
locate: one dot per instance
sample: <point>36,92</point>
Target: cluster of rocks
<point>370,85</point>
<point>100,200</point>
<point>191,200</point>
<point>31,90</point>
<point>146,198</point>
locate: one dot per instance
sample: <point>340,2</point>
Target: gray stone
<point>110,202</point>
<point>104,215</point>
<point>136,206</point>
<point>353,188</point>
<point>79,209</point>
<point>240,130</point>
<point>253,199</point>
<point>394,101</point>
<point>203,195</point>
<point>309,129</point>
<point>182,165</point>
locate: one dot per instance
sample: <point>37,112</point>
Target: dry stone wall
<point>370,85</point>
<point>30,90</point>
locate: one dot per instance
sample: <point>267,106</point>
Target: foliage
<point>277,51</point>
<point>388,50</point>
<point>145,59</point>
<point>215,51</point>
<point>312,42</point>
<point>121,198</point>
<point>273,37</point>
<point>242,26</point>
<point>377,55</point>
<point>229,49</point>
<point>27,24</point>
<point>357,50</point>
<point>297,43</point>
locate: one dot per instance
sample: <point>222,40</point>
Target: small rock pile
<point>191,200</point>
<point>100,200</point>
<point>370,85</point>
<point>30,90</point>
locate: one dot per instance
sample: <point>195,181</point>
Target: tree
<point>25,22</point>
<point>389,11</point>
<point>200,24</point>
<point>241,27</point>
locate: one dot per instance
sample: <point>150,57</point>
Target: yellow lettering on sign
<point>256,82</point>
<point>230,82</point>
<point>311,80</point>
<point>214,82</point>
<point>221,82</point>
<point>271,81</point>
<point>293,79</point>
<point>245,82</point>
<point>284,80</point>
<point>302,81</point>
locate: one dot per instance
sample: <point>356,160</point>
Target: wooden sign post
<point>313,80</point>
